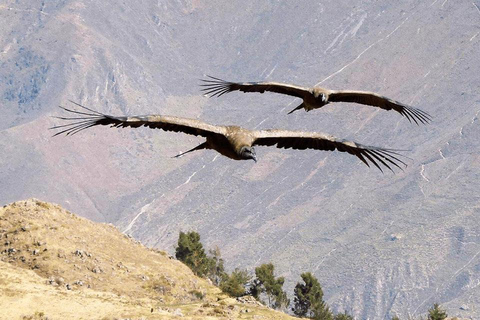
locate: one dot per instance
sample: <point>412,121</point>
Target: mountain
<point>56,265</point>
<point>380,244</point>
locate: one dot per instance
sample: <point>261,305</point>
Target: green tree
<point>235,284</point>
<point>343,316</point>
<point>395,318</point>
<point>308,299</point>
<point>190,251</point>
<point>266,282</point>
<point>436,313</point>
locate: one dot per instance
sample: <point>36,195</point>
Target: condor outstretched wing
<point>217,87</point>
<point>376,100</point>
<point>89,118</point>
<point>319,141</point>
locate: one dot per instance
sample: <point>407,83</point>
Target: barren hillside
<point>56,265</point>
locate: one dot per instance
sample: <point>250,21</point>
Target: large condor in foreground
<point>231,141</point>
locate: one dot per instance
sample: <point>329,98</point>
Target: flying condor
<point>316,97</point>
<point>231,141</point>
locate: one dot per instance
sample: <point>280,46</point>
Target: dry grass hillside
<point>56,265</point>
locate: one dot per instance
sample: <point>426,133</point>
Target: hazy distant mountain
<point>381,244</point>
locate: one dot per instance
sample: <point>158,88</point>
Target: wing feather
<point>88,118</point>
<point>218,87</point>
<point>318,141</point>
<point>376,100</point>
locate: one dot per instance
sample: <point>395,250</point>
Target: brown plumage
<point>316,97</point>
<point>232,141</point>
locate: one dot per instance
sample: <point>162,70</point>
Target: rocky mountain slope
<point>382,244</point>
<point>57,265</point>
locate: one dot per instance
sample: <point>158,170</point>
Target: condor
<point>231,141</point>
<point>316,97</point>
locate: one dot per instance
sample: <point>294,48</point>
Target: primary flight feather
<point>231,141</point>
<point>316,97</point>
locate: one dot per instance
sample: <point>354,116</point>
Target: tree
<point>190,251</point>
<point>308,299</point>
<point>265,282</point>
<point>436,313</point>
<point>216,270</point>
<point>343,316</point>
<point>234,284</point>
<point>395,318</point>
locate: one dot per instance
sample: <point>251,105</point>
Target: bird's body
<point>316,97</point>
<point>232,141</point>
<point>230,144</point>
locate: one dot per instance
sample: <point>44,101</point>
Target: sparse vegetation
<point>266,283</point>
<point>235,284</point>
<point>436,313</point>
<point>216,270</point>
<point>308,299</point>
<point>308,296</point>
<point>190,251</point>
<point>38,315</point>
<point>197,294</point>
<point>341,316</point>
<point>159,286</point>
